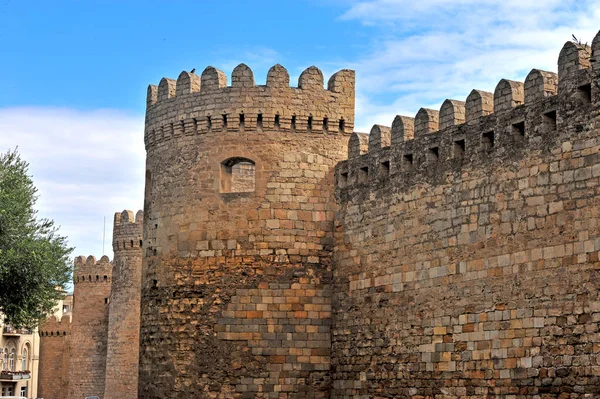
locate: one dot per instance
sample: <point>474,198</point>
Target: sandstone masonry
<point>452,255</point>
<point>94,351</point>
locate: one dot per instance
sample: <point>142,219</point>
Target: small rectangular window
<point>408,161</point>
<point>433,154</point>
<point>259,121</point>
<point>518,130</point>
<point>293,122</point>
<point>343,179</point>
<point>209,122</point>
<point>549,120</point>
<point>363,174</point>
<point>342,125</point>
<point>458,150</point>
<point>487,140</point>
<point>585,92</point>
<point>242,121</point>
<point>106,300</point>
<point>276,121</point>
<point>224,121</point>
<point>325,124</point>
<point>385,168</point>
<point>309,123</point>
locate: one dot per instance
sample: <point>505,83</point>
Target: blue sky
<point>74,73</point>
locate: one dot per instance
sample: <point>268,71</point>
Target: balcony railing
<point>6,375</point>
<point>9,330</point>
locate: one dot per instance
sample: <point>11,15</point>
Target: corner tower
<point>238,233</point>
<point>124,315</point>
<point>92,284</point>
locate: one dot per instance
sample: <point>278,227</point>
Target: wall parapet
<point>486,127</point>
<point>127,230</point>
<point>90,270</point>
<point>55,327</point>
<point>195,104</point>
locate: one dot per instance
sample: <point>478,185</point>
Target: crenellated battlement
<point>127,230</point>
<point>89,270</point>
<point>55,327</point>
<point>195,104</point>
<point>517,117</point>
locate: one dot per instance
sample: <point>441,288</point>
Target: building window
<point>11,360</point>
<point>24,360</point>
<point>24,392</point>
<point>237,175</point>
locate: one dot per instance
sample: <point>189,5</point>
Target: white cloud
<point>424,52</point>
<point>87,165</point>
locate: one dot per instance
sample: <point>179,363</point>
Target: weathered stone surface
<point>236,298</point>
<point>123,340</point>
<point>474,273</point>
<point>87,363</point>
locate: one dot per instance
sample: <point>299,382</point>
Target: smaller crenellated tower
<point>92,280</point>
<point>55,341</point>
<point>124,315</point>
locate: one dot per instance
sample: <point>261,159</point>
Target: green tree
<point>34,260</point>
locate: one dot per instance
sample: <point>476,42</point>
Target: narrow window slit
<point>224,121</point>
<point>408,161</point>
<point>309,124</point>
<point>259,121</point>
<point>549,119</point>
<point>487,140</point>
<point>343,179</point>
<point>459,148</point>
<point>518,130</point>
<point>242,121</point>
<point>293,122</point>
<point>363,174</point>
<point>342,125</point>
<point>585,92</point>
<point>277,121</point>
<point>325,124</point>
<point>433,154</point>
<point>209,122</point>
<point>385,168</point>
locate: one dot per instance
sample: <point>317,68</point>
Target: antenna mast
<point>103,235</point>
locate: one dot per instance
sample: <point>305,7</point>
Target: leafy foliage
<point>34,259</point>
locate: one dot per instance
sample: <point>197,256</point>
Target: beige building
<point>19,356</point>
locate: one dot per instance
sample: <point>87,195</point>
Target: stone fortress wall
<point>93,352</point>
<point>466,250</point>
<point>452,255</point>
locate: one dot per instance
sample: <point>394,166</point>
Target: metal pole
<point>103,235</point>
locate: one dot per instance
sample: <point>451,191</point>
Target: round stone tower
<point>238,233</point>
<point>124,316</point>
<point>92,283</point>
